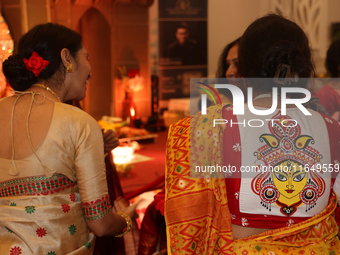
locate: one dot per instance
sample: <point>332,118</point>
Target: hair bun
<point>285,52</point>
<point>282,52</point>
<point>17,74</point>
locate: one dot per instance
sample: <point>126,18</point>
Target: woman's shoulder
<point>73,115</point>
<point>212,112</point>
<point>72,111</point>
<point>2,99</point>
<point>325,89</point>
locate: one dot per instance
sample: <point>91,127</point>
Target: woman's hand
<point>110,140</point>
<point>131,210</point>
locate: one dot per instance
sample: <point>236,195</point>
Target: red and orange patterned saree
<point>196,209</point>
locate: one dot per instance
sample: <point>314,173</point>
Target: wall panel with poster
<point>182,46</point>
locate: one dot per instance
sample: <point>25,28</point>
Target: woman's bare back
<point>39,122</point>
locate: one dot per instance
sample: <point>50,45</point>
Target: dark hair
<point>222,63</point>
<point>269,42</point>
<point>182,25</point>
<point>333,59</point>
<point>47,40</point>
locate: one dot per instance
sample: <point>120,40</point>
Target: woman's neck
<point>48,89</point>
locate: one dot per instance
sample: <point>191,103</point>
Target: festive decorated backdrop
<point>6,49</point>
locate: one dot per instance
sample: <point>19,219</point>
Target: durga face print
<point>284,161</point>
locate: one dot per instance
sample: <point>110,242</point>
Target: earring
<point>69,68</point>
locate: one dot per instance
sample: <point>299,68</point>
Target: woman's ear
<point>65,57</point>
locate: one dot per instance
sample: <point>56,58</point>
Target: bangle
<point>128,224</point>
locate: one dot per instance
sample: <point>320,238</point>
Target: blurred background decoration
<point>6,49</point>
<point>131,82</point>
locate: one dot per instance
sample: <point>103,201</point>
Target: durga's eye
<point>280,177</point>
<point>299,177</point>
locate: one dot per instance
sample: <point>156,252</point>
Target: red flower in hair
<point>133,72</point>
<point>35,64</point>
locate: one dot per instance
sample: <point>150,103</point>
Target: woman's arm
<point>113,223</point>
<point>91,179</point>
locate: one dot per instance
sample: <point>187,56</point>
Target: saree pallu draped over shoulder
<point>196,209</point>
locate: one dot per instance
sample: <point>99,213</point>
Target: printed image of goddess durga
<point>291,179</point>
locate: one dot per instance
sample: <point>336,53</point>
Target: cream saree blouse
<point>46,199</point>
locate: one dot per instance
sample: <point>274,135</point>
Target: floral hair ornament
<point>35,63</point>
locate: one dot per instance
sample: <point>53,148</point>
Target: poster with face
<point>182,46</point>
<point>183,43</point>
